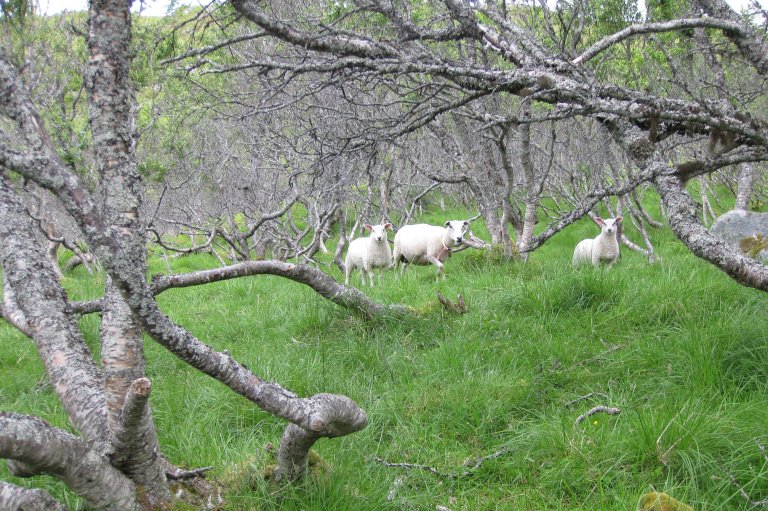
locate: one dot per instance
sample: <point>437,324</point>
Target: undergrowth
<point>680,348</point>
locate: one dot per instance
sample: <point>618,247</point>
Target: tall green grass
<point>678,346</point>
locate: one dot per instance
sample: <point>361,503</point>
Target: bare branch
<point>347,297</point>
<point>25,499</point>
<point>686,226</point>
<point>596,409</point>
<point>449,475</point>
<point>53,451</point>
<point>655,28</point>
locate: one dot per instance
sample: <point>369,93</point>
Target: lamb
<point>424,244</point>
<point>605,247</point>
<point>369,253</point>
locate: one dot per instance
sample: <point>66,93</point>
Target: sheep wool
<point>369,253</point>
<point>424,244</point>
<point>603,248</point>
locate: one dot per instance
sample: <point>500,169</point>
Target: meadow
<point>680,348</point>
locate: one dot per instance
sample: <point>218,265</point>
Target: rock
<point>738,225</point>
<point>656,501</point>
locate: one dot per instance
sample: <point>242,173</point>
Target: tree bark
<point>68,362</point>
<point>532,193</point>
<point>746,183</point>
<point>52,451</point>
<point>681,210</point>
<point>322,283</point>
<point>10,311</point>
<point>111,108</point>
<point>23,499</point>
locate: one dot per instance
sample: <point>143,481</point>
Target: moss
<point>655,501</point>
<point>753,245</point>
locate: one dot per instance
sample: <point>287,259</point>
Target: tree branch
<point>655,28</point>
<point>325,285</point>
<point>53,451</point>
<point>596,409</point>
<point>25,499</point>
<point>684,222</point>
<point>68,362</point>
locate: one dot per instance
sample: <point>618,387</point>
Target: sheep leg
<point>440,266</point>
<point>396,256</point>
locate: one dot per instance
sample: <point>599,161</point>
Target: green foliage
<point>15,12</point>
<point>151,169</point>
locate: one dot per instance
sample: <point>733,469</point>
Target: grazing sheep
<point>369,253</point>
<point>605,247</point>
<point>428,244</point>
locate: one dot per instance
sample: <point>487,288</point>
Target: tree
<point>114,461</point>
<point>663,127</point>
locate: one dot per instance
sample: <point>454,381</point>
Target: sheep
<point>369,253</point>
<point>605,247</point>
<point>424,244</point>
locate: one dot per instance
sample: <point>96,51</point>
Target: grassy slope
<point>681,349</point>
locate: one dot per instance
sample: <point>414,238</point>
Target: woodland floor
<point>677,346</point>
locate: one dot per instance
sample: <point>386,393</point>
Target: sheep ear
<point>599,221</point>
<point>466,223</point>
<point>389,226</point>
<point>448,223</point>
<point>619,219</point>
<point>368,226</point>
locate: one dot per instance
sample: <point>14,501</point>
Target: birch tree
<point>113,460</point>
<point>648,116</point>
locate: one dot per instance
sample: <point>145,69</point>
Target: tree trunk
<point>531,192</point>
<point>22,499</point>
<point>39,296</point>
<point>746,183</point>
<point>111,106</point>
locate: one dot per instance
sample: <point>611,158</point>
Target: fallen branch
<point>597,409</point>
<point>740,488</point>
<point>177,474</point>
<point>743,492</point>
<point>460,307</point>
<point>472,468</point>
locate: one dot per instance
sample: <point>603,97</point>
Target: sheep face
<point>609,225</point>
<point>456,230</point>
<point>379,231</point>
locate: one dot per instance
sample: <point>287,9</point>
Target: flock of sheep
<point>424,244</point>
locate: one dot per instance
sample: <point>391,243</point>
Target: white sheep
<point>424,244</point>
<point>605,247</point>
<point>369,253</point>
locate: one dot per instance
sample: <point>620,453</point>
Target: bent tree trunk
<point>115,464</point>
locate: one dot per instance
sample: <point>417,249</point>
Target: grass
<point>678,346</point>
